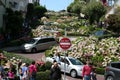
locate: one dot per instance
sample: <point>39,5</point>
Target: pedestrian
<point>0,75</point>
<point>93,73</point>
<point>86,71</point>
<point>2,72</point>
<point>93,76</point>
<point>57,57</point>
<point>19,69</point>
<point>32,71</point>
<point>11,74</point>
<point>55,72</point>
<point>53,63</point>
<point>24,71</point>
<point>20,74</point>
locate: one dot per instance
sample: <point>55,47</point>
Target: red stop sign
<point>65,43</point>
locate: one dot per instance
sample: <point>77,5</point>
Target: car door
<point>116,70</point>
<point>40,45</point>
<point>64,65</point>
<point>50,42</point>
<point>45,43</point>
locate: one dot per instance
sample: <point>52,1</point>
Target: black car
<point>112,71</point>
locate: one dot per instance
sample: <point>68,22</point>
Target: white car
<point>39,43</point>
<point>69,65</point>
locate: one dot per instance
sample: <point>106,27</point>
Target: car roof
<point>68,57</point>
<point>42,37</point>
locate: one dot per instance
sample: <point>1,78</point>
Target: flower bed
<point>100,52</point>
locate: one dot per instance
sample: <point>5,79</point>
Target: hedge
<point>43,75</point>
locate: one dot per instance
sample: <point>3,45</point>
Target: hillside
<point>99,50</point>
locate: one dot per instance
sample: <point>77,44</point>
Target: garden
<point>101,50</point>
<point>10,59</point>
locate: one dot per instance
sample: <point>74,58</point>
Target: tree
<point>94,11</point>
<point>39,11</point>
<point>14,21</point>
<point>76,7</point>
<point>34,13</point>
<point>30,12</point>
<point>113,21</point>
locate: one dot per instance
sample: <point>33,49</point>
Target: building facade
<point>2,12</point>
<point>16,5</point>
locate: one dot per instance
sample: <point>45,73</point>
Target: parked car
<point>112,71</point>
<point>69,65</point>
<point>39,43</point>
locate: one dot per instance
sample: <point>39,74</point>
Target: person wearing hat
<point>24,71</point>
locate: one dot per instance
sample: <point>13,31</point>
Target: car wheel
<point>34,50</point>
<point>109,78</point>
<point>73,73</point>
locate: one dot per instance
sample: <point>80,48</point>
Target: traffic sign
<point>65,43</point>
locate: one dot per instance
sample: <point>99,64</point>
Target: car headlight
<point>27,47</point>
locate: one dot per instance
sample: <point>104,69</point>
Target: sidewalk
<point>100,77</point>
<point>68,77</point>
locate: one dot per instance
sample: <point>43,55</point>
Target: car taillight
<point>106,69</point>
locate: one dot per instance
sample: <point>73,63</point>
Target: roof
<point>42,37</point>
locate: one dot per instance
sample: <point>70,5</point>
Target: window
<point>116,65</point>
<point>49,39</point>
<point>13,4</point>
<point>41,41</point>
<point>64,60</point>
<point>31,41</point>
<point>75,61</point>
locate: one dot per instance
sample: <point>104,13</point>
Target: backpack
<point>33,73</point>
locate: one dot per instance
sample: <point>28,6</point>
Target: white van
<point>39,43</point>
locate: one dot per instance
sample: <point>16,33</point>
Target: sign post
<point>65,44</point>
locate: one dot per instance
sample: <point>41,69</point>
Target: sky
<point>55,5</point>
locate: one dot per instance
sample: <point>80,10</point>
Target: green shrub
<point>100,71</point>
<point>41,68</point>
<point>44,67</point>
<point>10,55</point>
<point>48,65</point>
<point>48,53</point>
<point>43,75</point>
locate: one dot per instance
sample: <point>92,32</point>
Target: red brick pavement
<point>100,77</point>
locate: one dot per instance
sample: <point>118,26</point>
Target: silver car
<point>69,65</point>
<point>39,43</point>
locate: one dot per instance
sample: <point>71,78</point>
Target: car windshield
<point>31,41</point>
<point>75,61</point>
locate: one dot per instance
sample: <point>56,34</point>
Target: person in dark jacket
<point>55,73</point>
